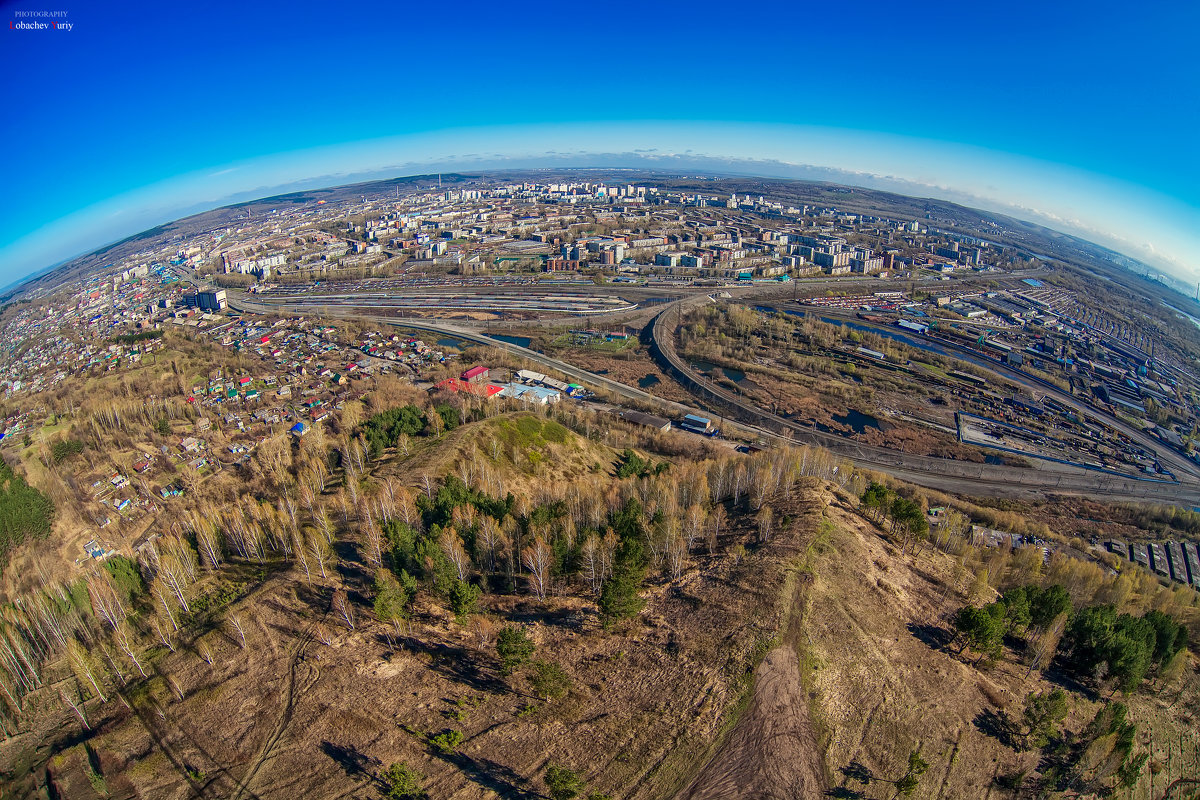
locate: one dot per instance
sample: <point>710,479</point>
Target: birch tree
<point>85,667</point>
<point>592,562</point>
<point>343,607</point>
<point>456,554</point>
<point>75,708</point>
<point>105,602</point>
<point>677,551</point>
<point>488,540</point>
<point>538,559</point>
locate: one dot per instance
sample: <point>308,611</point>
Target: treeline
<point>391,427</point>
<point>1098,643</point>
<point>63,449</point>
<point>601,538</point>
<point>905,515</point>
<point>134,338</point>
<point>452,540</point>
<point>25,513</point>
<point>1163,520</point>
<point>462,543</point>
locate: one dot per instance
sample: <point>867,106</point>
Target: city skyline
<point>238,114</point>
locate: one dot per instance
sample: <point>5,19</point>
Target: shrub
<point>514,648</point>
<point>563,783</point>
<point>402,782</point>
<point>447,741</point>
<point>549,680</point>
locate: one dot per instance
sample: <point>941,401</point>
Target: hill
<point>522,604</point>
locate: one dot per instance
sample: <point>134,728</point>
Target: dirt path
<point>772,751</point>
<point>285,716</point>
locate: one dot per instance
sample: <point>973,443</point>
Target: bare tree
<point>69,703</point>
<point>372,540</point>
<point>716,520</point>
<point>124,638</point>
<point>765,519</point>
<point>85,667</point>
<point>538,558</point>
<point>677,552</point>
<point>488,538</point>
<point>452,546</point>
<point>235,622</point>
<point>592,562</point>
<point>484,630</point>
<point>343,607</point>
<point>165,635</point>
<point>105,600</point>
<point>1045,645</point>
<point>209,546</point>
<point>739,481</point>
<point>317,548</point>
<point>204,651</point>
<point>298,546</point>
<point>114,664</point>
<point>693,525</point>
<point>324,526</point>
<point>180,551</point>
<point>173,576</point>
<point>608,554</point>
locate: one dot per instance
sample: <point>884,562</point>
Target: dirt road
<point>772,751</point>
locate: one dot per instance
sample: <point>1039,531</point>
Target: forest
<point>25,513</point>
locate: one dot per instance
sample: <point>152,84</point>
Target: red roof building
<point>475,375</point>
<point>487,390</point>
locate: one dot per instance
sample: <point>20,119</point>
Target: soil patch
<point>773,750</point>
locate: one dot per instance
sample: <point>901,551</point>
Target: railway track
<point>935,473</point>
<point>997,480</point>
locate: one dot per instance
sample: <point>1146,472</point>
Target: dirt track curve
<point>772,752</point>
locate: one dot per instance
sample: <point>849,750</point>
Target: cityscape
<point>405,403</point>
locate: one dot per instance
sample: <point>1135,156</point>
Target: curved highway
<point>944,474</point>
<point>958,476</point>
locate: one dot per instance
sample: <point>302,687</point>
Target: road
<point>946,475</point>
<point>955,476</point>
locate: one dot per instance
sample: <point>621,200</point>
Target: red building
<point>475,375</point>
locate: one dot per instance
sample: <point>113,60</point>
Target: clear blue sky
<point>1087,113</point>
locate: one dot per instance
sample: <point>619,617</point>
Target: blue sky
<point>1082,116</point>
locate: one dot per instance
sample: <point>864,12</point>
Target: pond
<point>856,420</point>
<point>1183,313</point>
<point>712,370</point>
<point>455,344</point>
<point>519,341</point>
<point>648,381</point>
